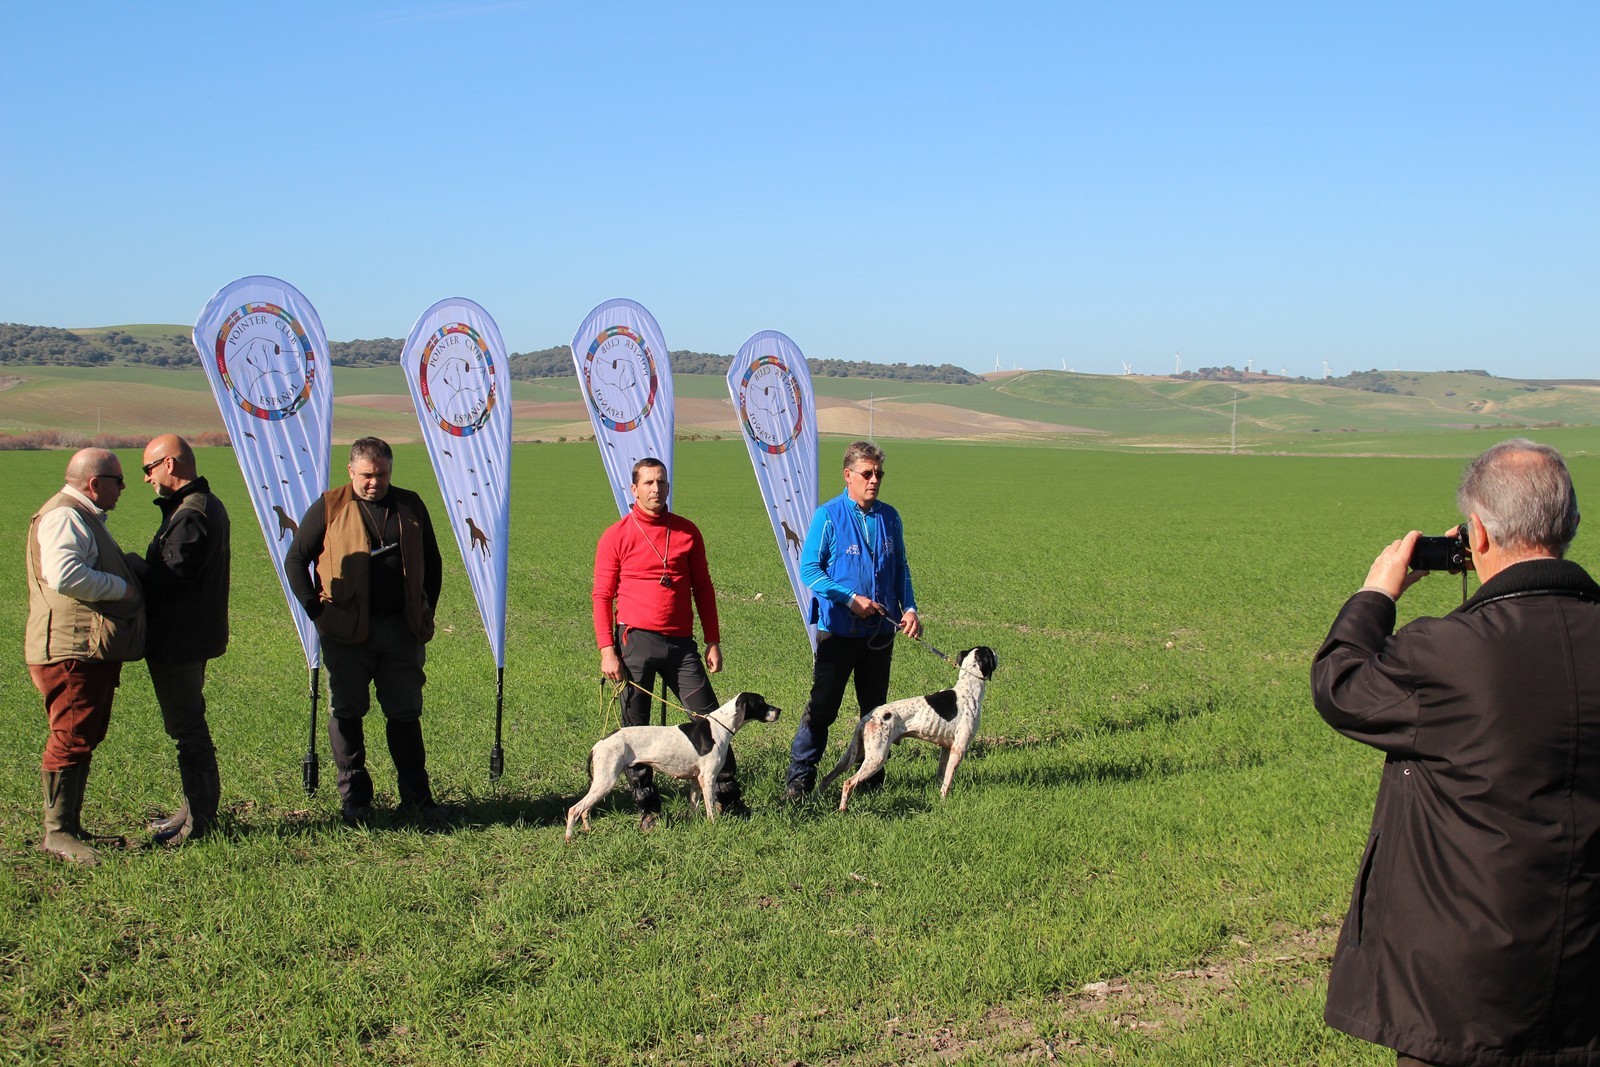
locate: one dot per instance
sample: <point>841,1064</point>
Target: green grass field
<point>1144,861</point>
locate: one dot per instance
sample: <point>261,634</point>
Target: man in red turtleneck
<point>651,566</point>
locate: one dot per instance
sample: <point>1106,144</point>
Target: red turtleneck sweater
<point>628,567</point>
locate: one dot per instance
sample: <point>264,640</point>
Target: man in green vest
<point>185,574</point>
<point>85,619</point>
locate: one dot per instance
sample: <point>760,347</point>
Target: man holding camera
<point>1473,935</point>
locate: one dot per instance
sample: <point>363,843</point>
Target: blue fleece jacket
<point>849,550</point>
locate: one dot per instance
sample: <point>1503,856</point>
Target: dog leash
<point>615,700</point>
<point>961,667</point>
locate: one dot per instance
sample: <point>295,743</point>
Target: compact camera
<point>1443,553</point>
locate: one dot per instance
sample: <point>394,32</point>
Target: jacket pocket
<point>340,622</point>
<point>1360,900</point>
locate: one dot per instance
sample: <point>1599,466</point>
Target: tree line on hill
<point>48,346</point>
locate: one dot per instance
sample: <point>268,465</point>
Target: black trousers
<point>645,656</point>
<point>838,658</point>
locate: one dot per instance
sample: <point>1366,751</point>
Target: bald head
<point>168,464</point>
<point>87,463</point>
<point>97,474</point>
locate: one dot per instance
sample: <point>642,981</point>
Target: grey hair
<point>862,450</point>
<point>1523,493</point>
<point>370,448</point>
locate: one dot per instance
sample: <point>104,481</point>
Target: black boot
<point>162,828</point>
<point>202,792</point>
<point>348,740</point>
<point>642,783</point>
<point>411,771</point>
<point>730,798</point>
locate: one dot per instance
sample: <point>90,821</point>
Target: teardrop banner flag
<point>455,364</point>
<point>266,356</point>
<point>265,353</point>
<point>626,379</point>
<point>770,385</point>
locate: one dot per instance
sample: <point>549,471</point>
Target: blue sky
<point>1371,185</point>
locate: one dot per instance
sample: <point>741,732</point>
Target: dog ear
<point>986,660</point>
<point>747,705</point>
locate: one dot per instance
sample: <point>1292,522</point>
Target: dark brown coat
<point>1473,935</point>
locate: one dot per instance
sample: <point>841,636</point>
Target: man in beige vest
<point>85,618</point>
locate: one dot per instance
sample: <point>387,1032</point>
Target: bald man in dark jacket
<point>1473,935</point>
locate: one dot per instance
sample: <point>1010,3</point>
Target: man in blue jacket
<point>854,563</point>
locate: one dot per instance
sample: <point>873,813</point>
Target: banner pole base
<point>497,755</point>
<point>308,766</point>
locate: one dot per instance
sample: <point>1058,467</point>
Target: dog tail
<point>852,752</point>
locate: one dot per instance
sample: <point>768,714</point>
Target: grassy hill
<point>1371,413</point>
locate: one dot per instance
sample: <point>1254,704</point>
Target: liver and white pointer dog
<point>695,750</point>
<point>948,718</point>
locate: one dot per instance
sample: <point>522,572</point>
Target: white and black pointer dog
<point>695,750</point>
<point>948,718</point>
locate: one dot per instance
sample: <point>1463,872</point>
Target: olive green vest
<point>60,627</point>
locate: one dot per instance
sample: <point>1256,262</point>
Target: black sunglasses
<point>153,464</point>
<point>114,477</point>
<point>873,475</point>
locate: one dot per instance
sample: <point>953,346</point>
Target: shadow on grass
<point>323,816</point>
<point>1131,768</point>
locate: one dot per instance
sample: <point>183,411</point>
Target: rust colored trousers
<point>77,698</point>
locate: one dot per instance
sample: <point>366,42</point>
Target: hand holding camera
<point>1448,553</point>
<point>1408,560</point>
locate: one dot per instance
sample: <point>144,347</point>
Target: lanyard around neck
<point>661,554</point>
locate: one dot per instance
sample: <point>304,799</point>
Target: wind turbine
<point>1248,364</point>
<point>1127,368</point>
<point>1327,371</point>
<point>1177,363</point>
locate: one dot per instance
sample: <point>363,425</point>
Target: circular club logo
<point>619,375</point>
<point>456,379</point>
<point>769,405</point>
<point>266,361</point>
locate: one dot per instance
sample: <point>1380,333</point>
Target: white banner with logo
<point>264,352</point>
<point>626,379</point>
<point>455,364</point>
<point>770,385</point>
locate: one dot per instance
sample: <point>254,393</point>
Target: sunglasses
<point>112,477</point>
<point>153,464</point>
<point>873,475</point>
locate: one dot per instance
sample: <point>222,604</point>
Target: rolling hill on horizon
<point>1040,407</point>
<point>1370,412</point>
